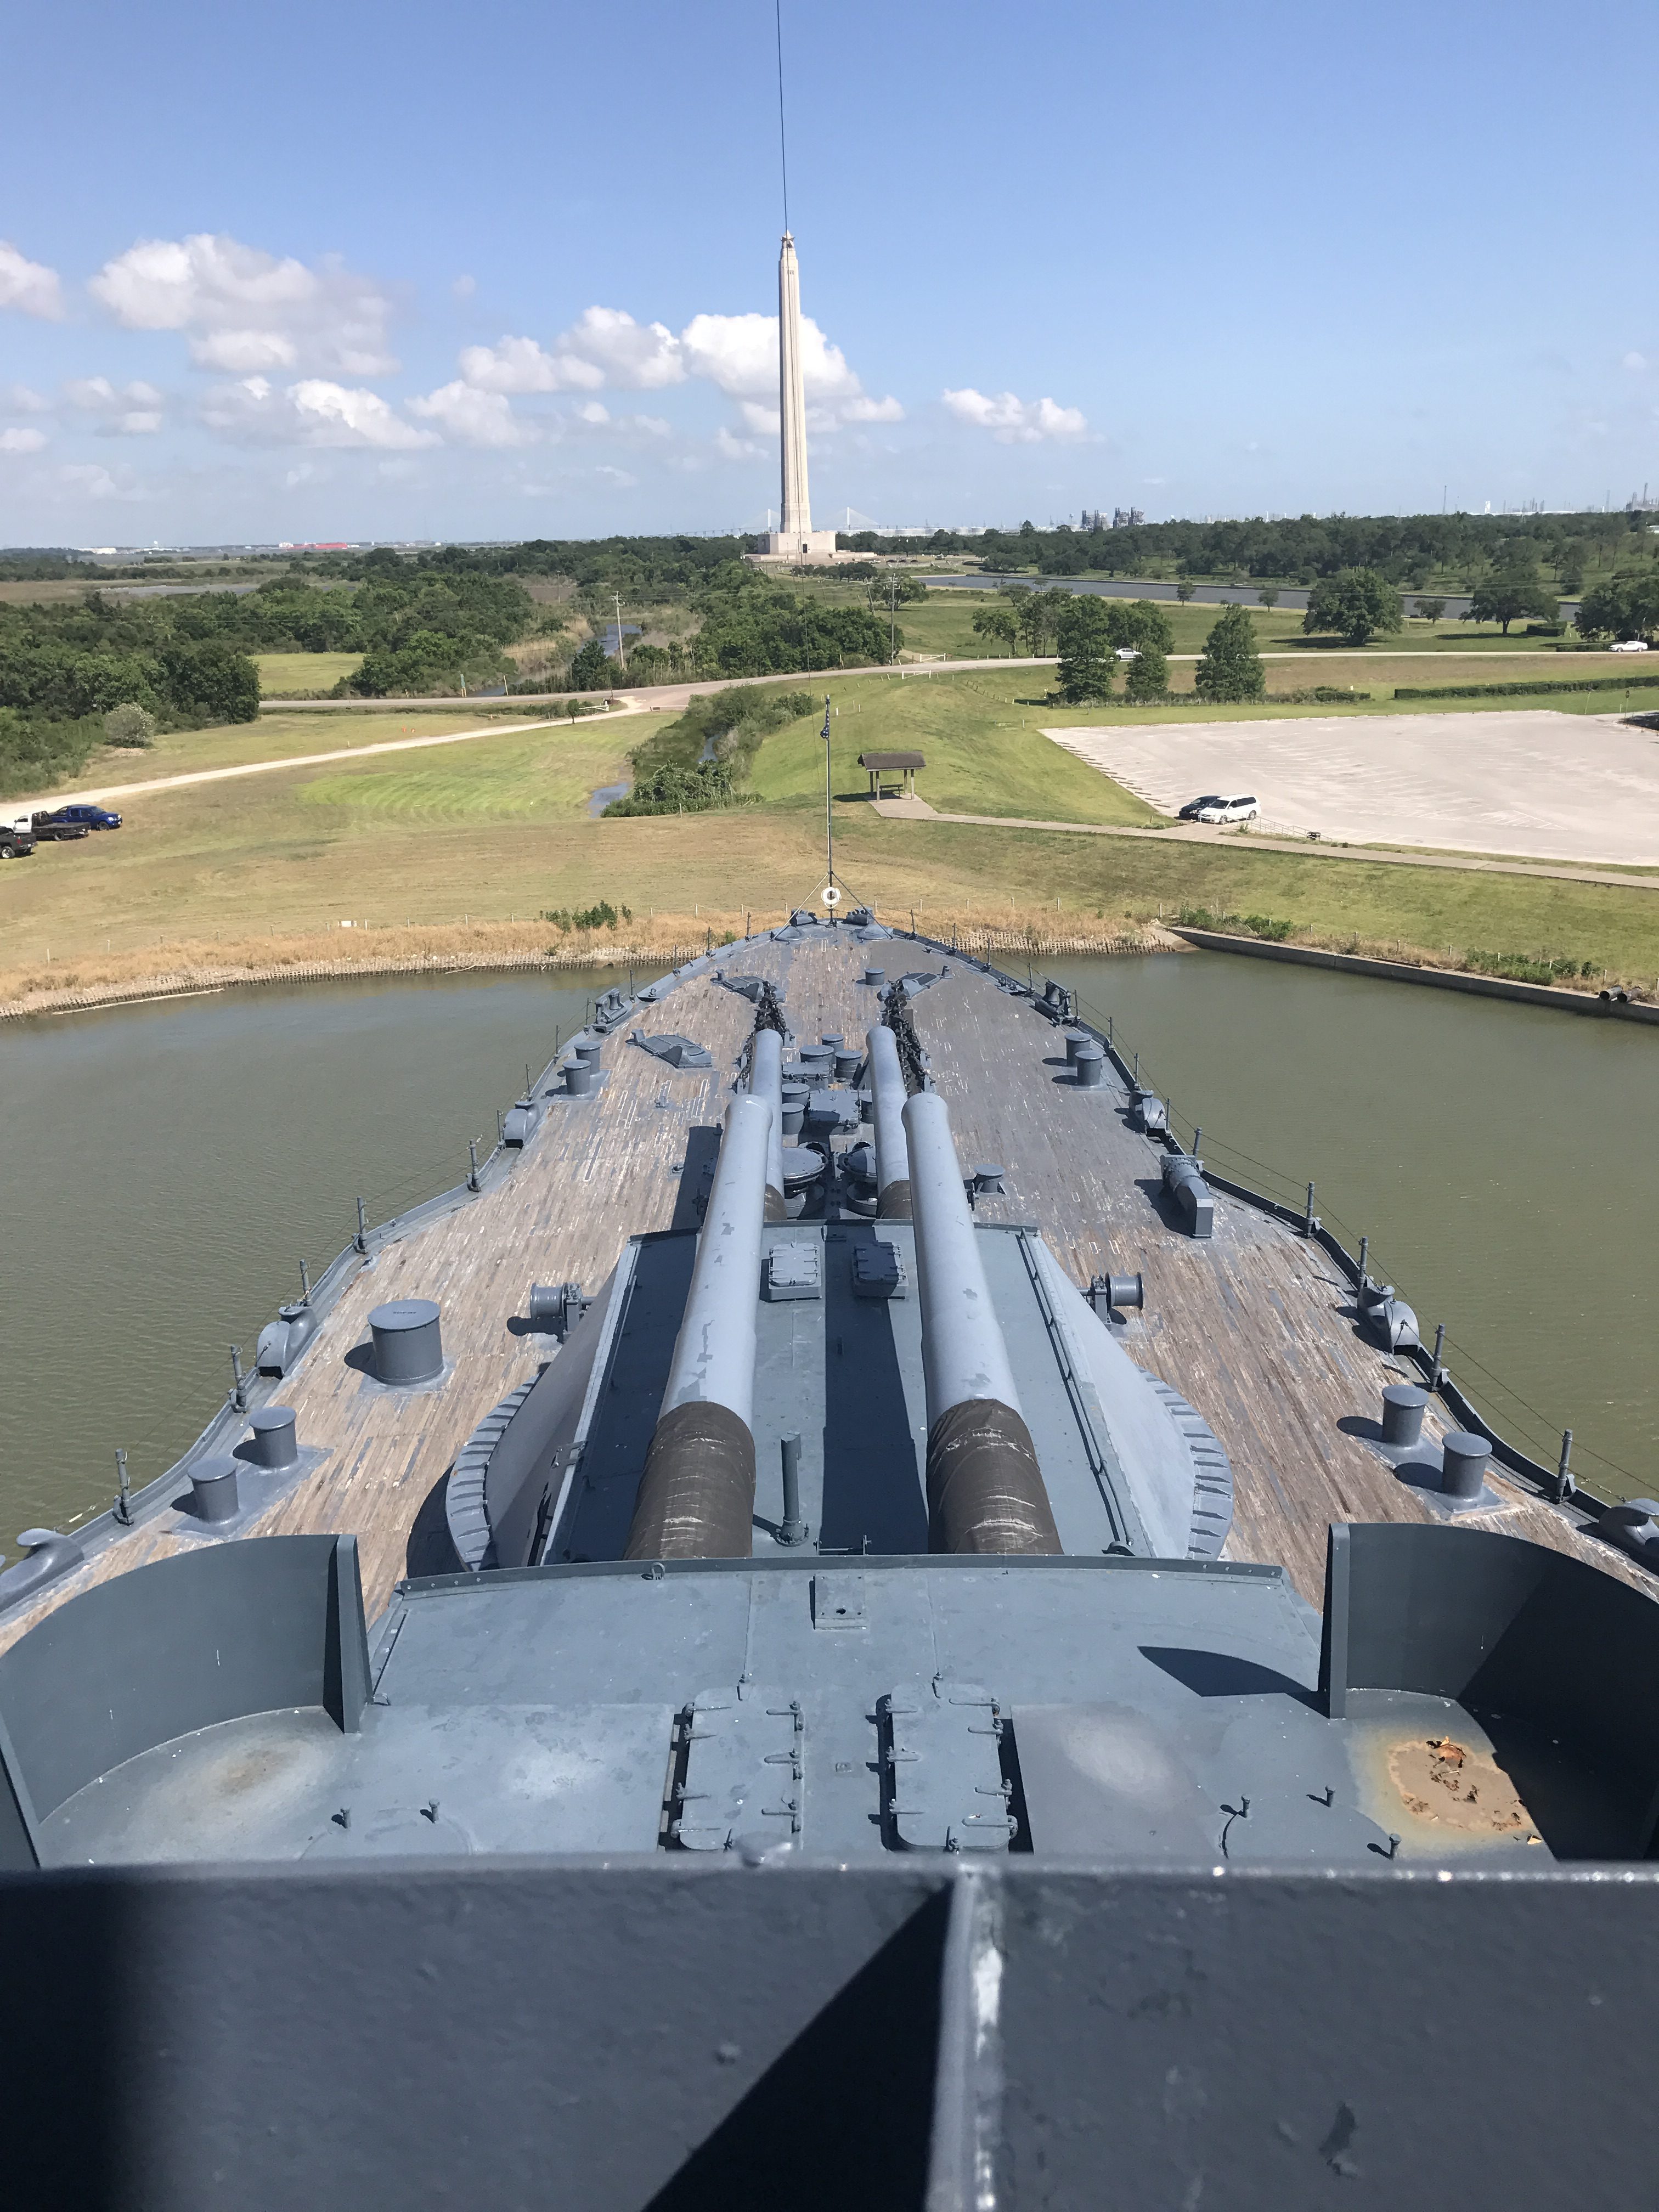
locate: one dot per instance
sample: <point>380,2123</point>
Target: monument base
<point>804,546</point>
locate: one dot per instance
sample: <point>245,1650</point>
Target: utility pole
<point>620,656</point>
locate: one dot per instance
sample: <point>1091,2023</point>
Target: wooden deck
<point>1253,1327</point>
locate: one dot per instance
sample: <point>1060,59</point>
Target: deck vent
<point>274,1443</point>
<point>793,1271</point>
<point>794,1109</point>
<point>1189,1193</point>
<point>282,1341</point>
<point>848,1065</point>
<point>519,1125</point>
<point>408,1344</point>
<point>675,1051</point>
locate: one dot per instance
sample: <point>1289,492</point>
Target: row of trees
<point>1092,632</point>
<point>1405,549</point>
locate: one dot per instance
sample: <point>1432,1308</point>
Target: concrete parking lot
<point>1557,786</point>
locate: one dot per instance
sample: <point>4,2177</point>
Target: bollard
<point>792,1529</point>
<point>273,1443</point>
<point>581,1078</point>
<point>1466,1459</point>
<point>408,1341</point>
<point>1402,1414</point>
<point>875,976</point>
<point>213,1489</point>
<point>1073,1039</point>
<point>1089,1066</point>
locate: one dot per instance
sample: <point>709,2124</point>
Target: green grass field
<point>499,826</point>
<point>302,675</point>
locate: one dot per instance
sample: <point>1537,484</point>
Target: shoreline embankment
<point>187,970</point>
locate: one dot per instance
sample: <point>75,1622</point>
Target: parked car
<point>95,818</point>
<point>1230,810</point>
<point>52,827</point>
<point>1630,645</point>
<point>17,839</point>
<point>1193,810</point>
<point>1128,653</point>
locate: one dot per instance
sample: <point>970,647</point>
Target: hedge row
<point>1526,690</point>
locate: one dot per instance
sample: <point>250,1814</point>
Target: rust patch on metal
<point>1446,1782</point>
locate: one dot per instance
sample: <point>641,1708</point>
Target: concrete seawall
<point>1443,978</point>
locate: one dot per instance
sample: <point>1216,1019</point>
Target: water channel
<point>164,1169</point>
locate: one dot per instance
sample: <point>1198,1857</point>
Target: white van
<point>1242,809</point>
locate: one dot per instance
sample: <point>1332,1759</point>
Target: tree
<point>1517,589</point>
<point>1230,667</point>
<point>1148,677</point>
<point>1184,590</point>
<point>996,623</point>
<point>1624,607</point>
<point>212,680</point>
<point>1429,610</point>
<point>1139,624</point>
<point>1267,596</point>
<point>128,726</point>
<point>1358,603</point>
<point>1085,650</point>
<point>591,671</point>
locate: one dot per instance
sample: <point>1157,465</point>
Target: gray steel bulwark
<point>694,2034</point>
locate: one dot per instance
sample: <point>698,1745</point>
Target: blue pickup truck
<point>74,821</point>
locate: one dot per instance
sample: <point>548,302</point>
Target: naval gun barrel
<point>766,1081</point>
<point>985,1488</point>
<point>893,1150</point>
<point>696,1497</point>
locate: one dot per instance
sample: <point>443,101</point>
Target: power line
<point>783,148</point>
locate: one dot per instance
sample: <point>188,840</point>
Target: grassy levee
<point>456,848</point>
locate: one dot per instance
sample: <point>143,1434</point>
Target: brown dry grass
<point>663,941</point>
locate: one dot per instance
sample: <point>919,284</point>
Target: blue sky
<point>367,271</point>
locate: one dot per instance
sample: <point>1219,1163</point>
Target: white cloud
<point>22,441</point>
<point>20,399</point>
<point>132,410</point>
<point>93,482</point>
<point>737,449</point>
<point>595,411</point>
<point>245,310</point>
<point>29,286</point>
<point>465,286</point>
<point>604,346</point>
<point>606,349</point>
<point>312,412</point>
<point>617,476</point>
<point>473,417</point>
<point>1013,420</point>
<point>1636,361</point>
